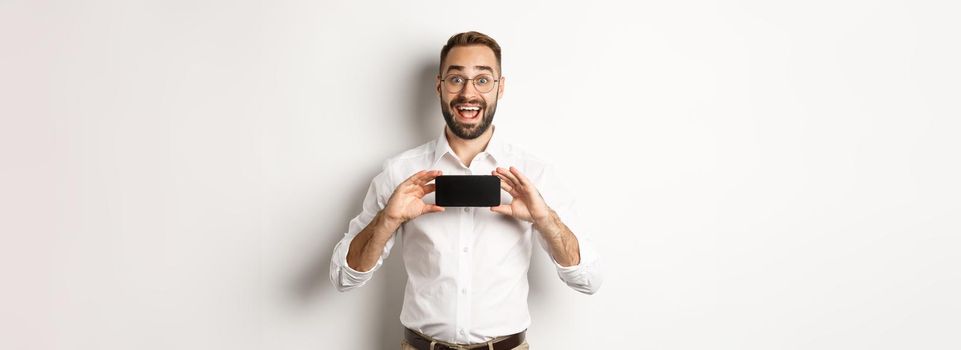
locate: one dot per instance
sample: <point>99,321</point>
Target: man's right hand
<point>407,201</point>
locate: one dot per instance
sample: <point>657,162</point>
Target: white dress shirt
<point>467,267</point>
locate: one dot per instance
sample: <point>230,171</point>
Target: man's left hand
<point>527,203</point>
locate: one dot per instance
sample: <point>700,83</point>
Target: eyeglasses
<point>455,83</point>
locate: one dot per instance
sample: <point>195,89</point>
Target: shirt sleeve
<point>343,276</point>
<point>585,277</point>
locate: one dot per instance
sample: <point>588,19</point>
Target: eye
<point>456,80</point>
<point>483,80</point>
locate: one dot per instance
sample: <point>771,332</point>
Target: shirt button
<point>463,332</point>
<point>463,291</point>
<point>467,210</point>
<point>465,249</point>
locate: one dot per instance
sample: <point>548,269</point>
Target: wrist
<point>549,226</point>
<point>388,222</point>
<point>383,227</point>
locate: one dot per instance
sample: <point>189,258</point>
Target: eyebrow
<point>456,67</point>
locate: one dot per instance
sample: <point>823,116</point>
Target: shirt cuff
<point>574,276</point>
<point>568,268</point>
<point>572,270</point>
<point>351,277</point>
<point>577,276</point>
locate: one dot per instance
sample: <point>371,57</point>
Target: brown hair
<point>470,38</point>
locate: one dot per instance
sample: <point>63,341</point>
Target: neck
<point>466,150</point>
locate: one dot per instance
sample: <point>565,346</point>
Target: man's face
<point>469,112</point>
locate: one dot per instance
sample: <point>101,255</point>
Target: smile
<point>468,112</point>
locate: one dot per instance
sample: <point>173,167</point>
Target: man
<point>467,267</point>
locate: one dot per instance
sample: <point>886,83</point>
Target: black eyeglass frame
<point>443,81</point>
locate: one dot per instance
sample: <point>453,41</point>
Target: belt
<point>421,343</point>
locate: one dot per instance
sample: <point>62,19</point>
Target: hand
<point>527,203</point>
<point>407,201</point>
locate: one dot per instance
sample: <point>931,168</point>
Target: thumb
<point>503,209</point>
<point>433,208</point>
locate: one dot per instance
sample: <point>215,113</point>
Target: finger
<point>429,188</point>
<point>495,172</point>
<point>508,188</point>
<point>431,175</point>
<point>514,179</point>
<point>504,179</point>
<point>427,176</point>
<point>523,179</point>
<point>413,178</point>
<point>503,209</point>
<point>515,183</point>
<point>505,184</point>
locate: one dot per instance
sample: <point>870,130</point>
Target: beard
<point>468,131</point>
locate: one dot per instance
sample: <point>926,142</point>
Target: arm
<point>576,261</point>
<point>562,243</point>
<point>367,247</point>
<point>371,234</point>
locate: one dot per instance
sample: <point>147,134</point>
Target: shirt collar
<point>495,147</point>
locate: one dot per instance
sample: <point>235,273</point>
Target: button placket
<point>463,275</point>
<point>465,269</point>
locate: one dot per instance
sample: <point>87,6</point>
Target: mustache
<point>461,100</point>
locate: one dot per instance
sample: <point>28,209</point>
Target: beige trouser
<point>404,345</point>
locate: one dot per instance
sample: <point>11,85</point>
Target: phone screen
<point>468,190</point>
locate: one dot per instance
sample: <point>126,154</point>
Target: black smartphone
<point>467,191</point>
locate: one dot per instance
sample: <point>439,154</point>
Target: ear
<point>500,87</point>
<point>437,82</point>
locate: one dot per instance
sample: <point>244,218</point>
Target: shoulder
<point>416,154</point>
<point>531,164</point>
<point>401,165</point>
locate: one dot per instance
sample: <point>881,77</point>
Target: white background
<point>758,175</point>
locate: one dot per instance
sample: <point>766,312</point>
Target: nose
<point>469,90</point>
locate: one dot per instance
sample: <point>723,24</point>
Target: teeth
<point>469,108</point>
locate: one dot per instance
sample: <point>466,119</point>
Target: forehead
<point>470,57</point>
